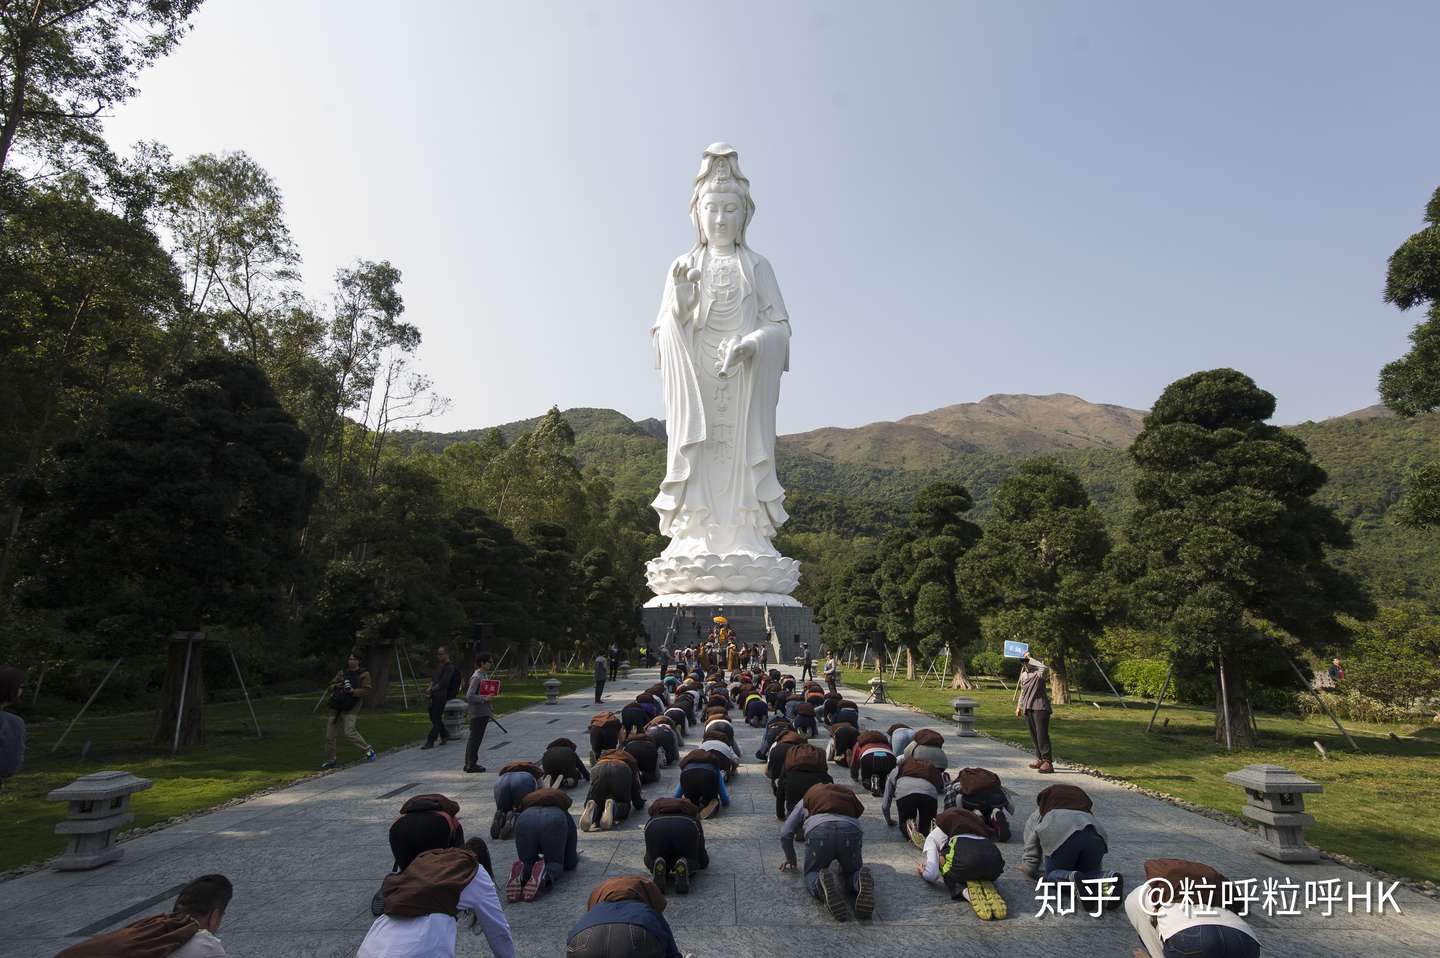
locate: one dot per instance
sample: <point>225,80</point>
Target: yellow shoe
<point>979,900</point>
<point>997,902</point>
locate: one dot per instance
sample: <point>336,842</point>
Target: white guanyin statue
<point>722,341</point>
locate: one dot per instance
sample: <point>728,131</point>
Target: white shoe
<point>587,818</point>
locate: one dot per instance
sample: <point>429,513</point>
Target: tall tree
<point>1411,385</point>
<point>64,62</point>
<point>84,293</point>
<point>175,513</point>
<point>555,606</point>
<point>1040,566</point>
<point>1226,543</point>
<point>944,617</point>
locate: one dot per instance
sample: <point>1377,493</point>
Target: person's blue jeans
<point>1211,941</point>
<point>834,842</point>
<point>771,734</point>
<point>510,788</point>
<point>1079,857</point>
<point>548,831</point>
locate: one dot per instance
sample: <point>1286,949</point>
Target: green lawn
<point>1380,805</point>
<point>232,765</point>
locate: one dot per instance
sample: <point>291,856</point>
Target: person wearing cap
<point>675,843</point>
<point>1171,924</point>
<point>960,856</point>
<point>516,780</point>
<point>829,816</point>
<point>914,788</point>
<point>614,788</point>
<point>702,781</point>
<point>623,919</point>
<point>1065,843</point>
<point>1033,705</point>
<point>546,844</point>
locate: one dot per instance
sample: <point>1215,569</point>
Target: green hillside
<point>858,481</point>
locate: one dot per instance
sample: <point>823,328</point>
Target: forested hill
<point>858,481</point>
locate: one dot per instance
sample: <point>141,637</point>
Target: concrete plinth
<point>1276,802</point>
<point>99,808</point>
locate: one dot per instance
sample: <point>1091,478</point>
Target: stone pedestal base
<point>713,575</point>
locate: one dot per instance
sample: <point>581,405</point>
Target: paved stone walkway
<point>306,860</point>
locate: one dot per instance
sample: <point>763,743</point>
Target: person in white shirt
<point>1190,924</point>
<point>187,932</point>
<point>423,910</point>
<point>961,857</point>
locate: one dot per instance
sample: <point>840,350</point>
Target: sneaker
<point>1035,764</point>
<point>536,885</point>
<point>711,807</point>
<point>507,828</point>
<point>681,872</point>
<point>587,818</point>
<point>916,838</point>
<point>370,755</point>
<point>427,745</point>
<point>328,764</point>
<point>1116,896</point>
<point>495,825</point>
<point>865,895</point>
<point>515,886</point>
<point>658,872</point>
<point>377,904</point>
<point>833,895</point>
<point>473,769</point>
<point>607,817</point>
<point>1046,768</point>
<point>979,900</point>
<point>997,901</point>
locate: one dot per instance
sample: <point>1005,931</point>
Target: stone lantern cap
<point>1272,779</point>
<point>99,787</point>
<point>963,702</point>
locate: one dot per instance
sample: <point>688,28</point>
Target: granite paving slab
<point>305,861</point>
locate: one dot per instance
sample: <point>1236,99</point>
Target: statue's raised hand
<point>687,288</point>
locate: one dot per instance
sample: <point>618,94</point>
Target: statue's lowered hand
<point>736,352</point>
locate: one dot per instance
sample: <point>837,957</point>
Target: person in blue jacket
<point>623,919</point>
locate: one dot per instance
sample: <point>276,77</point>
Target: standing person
<point>807,662</point>
<point>1337,672</point>
<point>481,711</point>
<point>12,727</point>
<point>1033,706</point>
<point>765,656</point>
<point>444,684</point>
<point>664,661</point>
<point>602,672</point>
<point>831,671</point>
<point>348,691</point>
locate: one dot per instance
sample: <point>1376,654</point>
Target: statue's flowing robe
<point>745,516</point>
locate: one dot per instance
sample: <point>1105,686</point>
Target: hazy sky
<point>958,199</point>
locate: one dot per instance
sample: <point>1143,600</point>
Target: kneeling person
<point>1201,928</point>
<point>623,920</point>
<point>960,855</point>
<point>830,818</point>
<point>187,932</point>
<point>674,842</point>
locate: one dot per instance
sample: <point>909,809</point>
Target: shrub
<point>1143,678</point>
<point>1275,701</point>
<point>1396,657</point>
<point>987,663</point>
<point>1354,706</point>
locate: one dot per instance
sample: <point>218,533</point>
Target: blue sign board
<point>1016,650</point>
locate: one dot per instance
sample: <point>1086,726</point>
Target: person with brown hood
<point>843,736</point>
<point>1197,924</point>
<point>927,745</point>
<point>561,764</point>
<point>546,844</point>
<point>804,766</point>
<point>914,787</point>
<point>662,731</point>
<point>623,919</point>
<point>646,753</point>
<point>960,856</point>
<point>516,780</point>
<point>614,789</point>
<point>604,733</point>
<point>979,790</point>
<point>702,781</point>
<point>871,760</point>
<point>424,903</point>
<point>775,728</point>
<point>829,815</point>
<point>675,843</point>
<point>1064,842</point>
<point>187,932</point>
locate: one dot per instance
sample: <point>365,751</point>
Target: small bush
<point>1143,678</point>
<point>1275,701</point>
<point>987,663</point>
<point>1353,706</point>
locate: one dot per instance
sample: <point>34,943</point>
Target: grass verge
<point>232,765</point>
<point>1381,805</point>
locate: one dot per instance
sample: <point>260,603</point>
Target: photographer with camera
<point>348,691</point>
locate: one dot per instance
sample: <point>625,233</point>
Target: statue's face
<point>721,215</point>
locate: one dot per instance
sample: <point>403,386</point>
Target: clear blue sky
<point>958,199</point>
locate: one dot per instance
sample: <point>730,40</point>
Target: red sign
<point>489,686</point>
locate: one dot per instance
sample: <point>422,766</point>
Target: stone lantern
<point>1276,802</point>
<point>99,808</point>
<point>552,691</point>
<point>625,669</point>
<point>964,715</point>
<point>453,718</point>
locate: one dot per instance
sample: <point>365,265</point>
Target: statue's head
<point>720,206</point>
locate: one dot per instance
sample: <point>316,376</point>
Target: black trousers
<point>700,784</point>
<point>603,738</point>
<point>477,735</point>
<point>437,723</point>
<point>673,837</point>
<point>1039,723</point>
<point>599,690</point>
<point>922,807</point>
